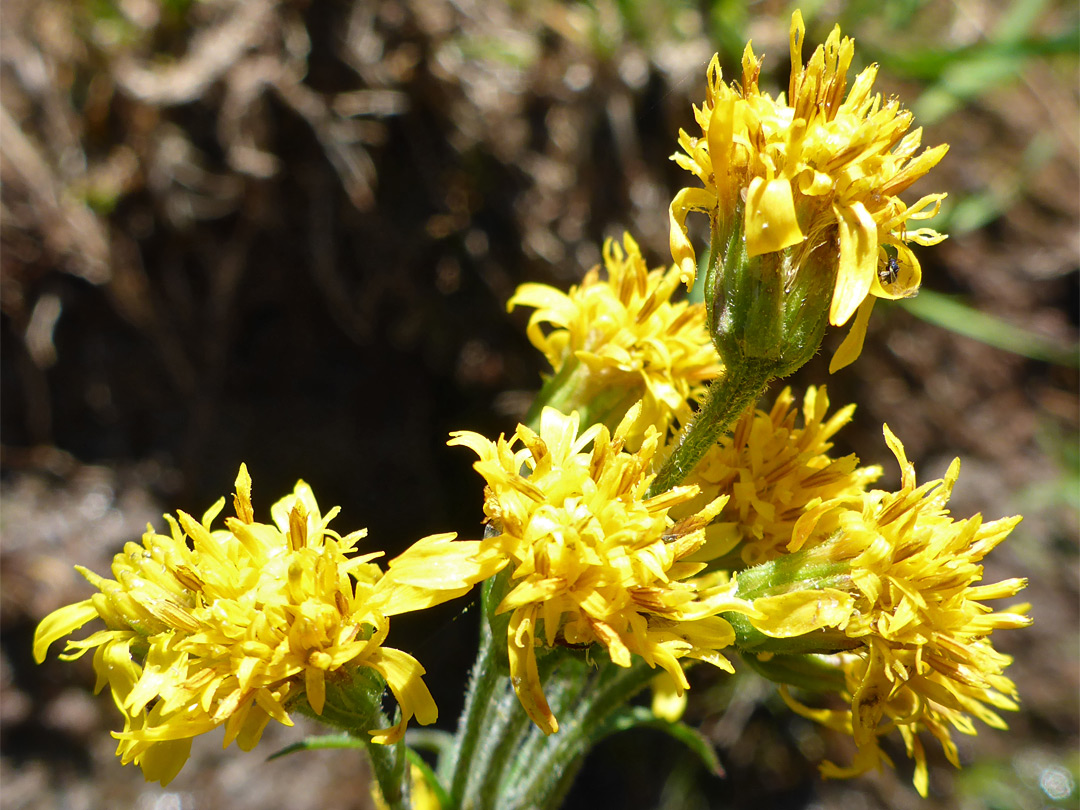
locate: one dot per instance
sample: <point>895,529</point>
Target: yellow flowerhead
<point>234,626</point>
<point>915,609</point>
<point>814,172</point>
<point>593,560</point>
<point>624,338</point>
<point>772,472</point>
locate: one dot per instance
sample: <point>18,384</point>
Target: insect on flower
<point>889,272</point>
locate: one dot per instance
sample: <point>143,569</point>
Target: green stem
<point>388,765</point>
<point>552,770</point>
<point>352,711</point>
<point>563,693</point>
<point>574,389</point>
<point>506,728</point>
<point>728,397</point>
<point>557,391</point>
<point>482,682</point>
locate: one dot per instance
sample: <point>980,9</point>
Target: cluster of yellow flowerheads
<point>767,542</point>
<point>231,626</point>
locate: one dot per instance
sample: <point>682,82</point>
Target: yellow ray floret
<point>624,332</point>
<point>822,166</point>
<point>593,560</point>
<point>231,626</point>
<point>926,661</point>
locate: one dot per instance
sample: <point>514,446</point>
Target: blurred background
<point>285,232</point>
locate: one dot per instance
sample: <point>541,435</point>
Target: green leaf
<point>319,743</point>
<point>934,64</point>
<point>951,314</point>
<point>808,672</point>
<point>638,716</point>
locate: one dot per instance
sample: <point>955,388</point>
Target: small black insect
<point>889,272</point>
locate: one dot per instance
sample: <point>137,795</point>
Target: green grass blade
<point>949,313</point>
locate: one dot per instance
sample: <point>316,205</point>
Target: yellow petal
<point>907,280</point>
<point>315,688</point>
<point>531,590</point>
<point>907,469</point>
<point>174,729</point>
<point>682,251</point>
<point>669,700</point>
<point>858,261</point>
<point>402,674</point>
<point>255,723</point>
<point>433,570</point>
<point>914,170</point>
<point>480,445</point>
<point>60,623</point>
<point>162,761</point>
<point>797,35</point>
<point>806,524</point>
<point>116,666</point>
<point>801,612</point>
<point>851,348</point>
<point>242,499</point>
<point>523,672</point>
<point>212,512</point>
<point>542,297</point>
<point>770,217</point>
<point>720,137</point>
<point>164,664</point>
<point>921,778</point>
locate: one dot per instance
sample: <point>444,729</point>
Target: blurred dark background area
<point>284,233</point>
